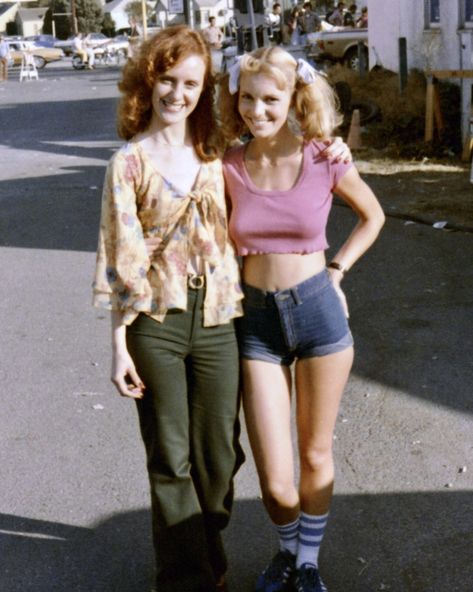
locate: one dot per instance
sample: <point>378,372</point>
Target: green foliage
<point>89,16</point>
<point>134,10</point>
<point>62,23</point>
<point>108,25</point>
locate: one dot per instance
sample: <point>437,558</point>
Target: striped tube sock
<point>288,536</point>
<point>311,533</point>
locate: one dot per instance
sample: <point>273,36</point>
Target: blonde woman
<point>280,188</point>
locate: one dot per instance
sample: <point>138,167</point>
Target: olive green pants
<point>189,425</point>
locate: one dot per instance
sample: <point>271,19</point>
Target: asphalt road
<point>74,494</point>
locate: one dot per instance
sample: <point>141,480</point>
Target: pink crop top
<point>292,221</point>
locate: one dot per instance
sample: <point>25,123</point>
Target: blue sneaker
<point>278,575</point>
<point>308,579</point>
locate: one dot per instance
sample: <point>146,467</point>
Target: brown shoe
<point>221,585</point>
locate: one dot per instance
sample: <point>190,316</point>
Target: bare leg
<point>319,386</point>
<point>267,405</point>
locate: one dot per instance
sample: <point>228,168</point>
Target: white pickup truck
<point>339,44</point>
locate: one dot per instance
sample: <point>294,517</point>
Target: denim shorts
<point>304,321</point>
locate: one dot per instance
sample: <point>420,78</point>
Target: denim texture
<point>304,321</point>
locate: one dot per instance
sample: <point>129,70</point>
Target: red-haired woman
<point>173,300</point>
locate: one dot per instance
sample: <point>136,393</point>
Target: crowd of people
<point>292,27</point>
<point>303,20</point>
<point>342,16</point>
<point>211,258</point>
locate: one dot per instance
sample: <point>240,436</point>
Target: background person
<point>336,17</point>
<point>309,21</point>
<point>273,21</point>
<point>349,18</point>
<point>167,270</point>
<point>362,22</point>
<point>213,35</point>
<point>294,27</point>
<point>79,47</point>
<point>294,308</point>
<point>89,48</point>
<point>4,58</point>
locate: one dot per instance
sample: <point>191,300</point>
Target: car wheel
<point>39,61</point>
<point>352,59</point>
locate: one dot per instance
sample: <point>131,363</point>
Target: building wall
<point>7,17</point>
<point>27,28</point>
<point>435,48</point>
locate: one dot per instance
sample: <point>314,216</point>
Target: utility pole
<point>189,13</point>
<point>74,17</point>
<point>144,18</point>
<point>251,15</point>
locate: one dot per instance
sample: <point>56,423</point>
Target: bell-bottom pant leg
<point>189,424</point>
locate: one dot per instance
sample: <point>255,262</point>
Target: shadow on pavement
<point>410,311</point>
<point>53,212</point>
<point>410,542</point>
<point>44,124</point>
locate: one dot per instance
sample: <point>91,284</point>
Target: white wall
<point>437,48</point>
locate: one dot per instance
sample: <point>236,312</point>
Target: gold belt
<point>196,282</point>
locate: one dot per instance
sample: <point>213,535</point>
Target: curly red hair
<point>155,56</point>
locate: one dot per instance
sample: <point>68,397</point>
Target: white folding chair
<point>28,67</point>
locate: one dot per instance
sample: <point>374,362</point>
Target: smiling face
<point>263,106</point>
<point>177,91</point>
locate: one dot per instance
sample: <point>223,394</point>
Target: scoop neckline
<point>275,192</point>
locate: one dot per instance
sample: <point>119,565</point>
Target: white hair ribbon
<point>234,75</point>
<point>306,73</point>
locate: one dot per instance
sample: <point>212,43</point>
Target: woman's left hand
<point>337,150</point>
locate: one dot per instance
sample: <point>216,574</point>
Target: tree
<point>89,16</point>
<point>134,11</point>
<point>108,25</point>
<point>62,23</point>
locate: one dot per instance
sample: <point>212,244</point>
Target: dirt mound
<point>399,129</point>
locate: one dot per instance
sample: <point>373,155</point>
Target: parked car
<point>65,45</point>
<point>118,45</point>
<point>339,44</point>
<point>43,40</point>
<point>96,39</point>
<point>42,55</point>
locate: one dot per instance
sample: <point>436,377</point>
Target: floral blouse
<point>138,203</point>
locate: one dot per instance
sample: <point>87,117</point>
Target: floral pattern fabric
<point>137,203</point>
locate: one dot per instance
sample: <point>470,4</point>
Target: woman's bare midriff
<point>275,271</point>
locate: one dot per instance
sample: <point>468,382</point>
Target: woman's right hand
<point>125,377</point>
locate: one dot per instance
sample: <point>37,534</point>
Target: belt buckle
<point>196,282</point>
